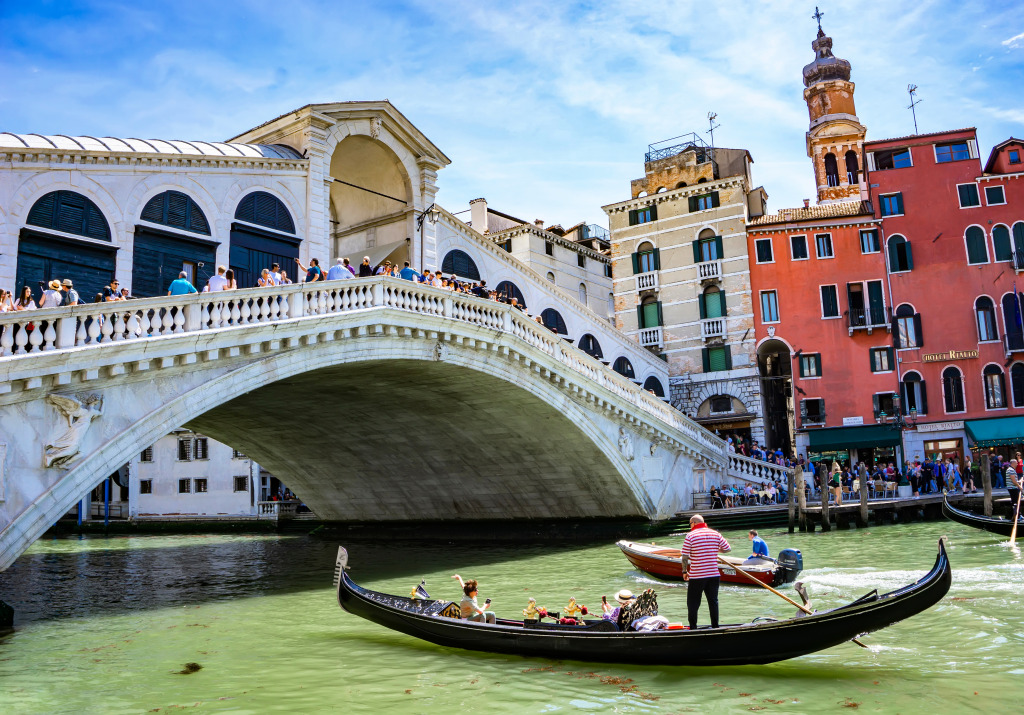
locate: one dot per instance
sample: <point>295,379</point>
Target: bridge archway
<point>775,366</point>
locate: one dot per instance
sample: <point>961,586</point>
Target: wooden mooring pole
<point>863,478</point>
<point>792,500</point>
<point>986,482</point>
<point>826,525</point>
<point>801,500</point>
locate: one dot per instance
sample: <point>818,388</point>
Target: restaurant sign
<point>951,355</point>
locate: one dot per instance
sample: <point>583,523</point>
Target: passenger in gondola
<point>623,597</point>
<point>471,610</point>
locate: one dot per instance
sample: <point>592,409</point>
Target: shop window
<point>985,313</point>
<point>995,387</point>
<point>953,390</point>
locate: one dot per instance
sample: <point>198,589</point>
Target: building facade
<point>682,278</point>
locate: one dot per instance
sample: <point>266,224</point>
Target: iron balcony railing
<point>808,420</point>
<point>867,318</point>
<point>1013,342</point>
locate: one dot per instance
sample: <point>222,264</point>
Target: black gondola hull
<point>729,645</point>
<point>994,524</point>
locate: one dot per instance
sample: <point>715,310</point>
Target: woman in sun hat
<point>624,597</point>
<point>52,297</point>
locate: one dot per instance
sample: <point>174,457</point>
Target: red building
<point>897,291</point>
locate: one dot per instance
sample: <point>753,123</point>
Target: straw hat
<point>624,596</point>
<point>68,284</point>
<point>55,285</point>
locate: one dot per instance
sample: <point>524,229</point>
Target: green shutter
<point>705,359</point>
<point>636,262</point>
<point>892,358</point>
<point>714,199</point>
<point>817,363</point>
<point>910,257</point>
<point>718,359</point>
<point>800,364</point>
<point>917,330</point>
<point>696,251</point>
<point>922,409</point>
<point>693,204</point>
<point>721,295</point>
<point>874,404</point>
<point>871,359</point>
<point>702,306</point>
<point>718,247</point>
<point>894,264</point>
<point>661,317</point>
<point>899,203</point>
<point>657,259</point>
<point>632,217</point>
<point>640,317</point>
<point>728,357</point>
<point>895,330</point>
<point>654,212</point>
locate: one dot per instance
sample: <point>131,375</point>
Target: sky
<point>545,108</point>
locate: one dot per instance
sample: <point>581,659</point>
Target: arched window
<point>509,290</point>
<point>645,259</point>
<point>1001,243</point>
<point>915,399</point>
<point>69,212</point>
<point>265,209</point>
<point>624,367</point>
<point>653,384</point>
<point>900,256</point>
<point>681,184</point>
<point>660,189</point>
<point>852,167</point>
<point>953,390</point>
<point>831,170</point>
<point>551,277</point>
<point>995,387</point>
<point>1013,326</point>
<point>611,306</point>
<point>553,321</point>
<point>707,247</point>
<point>459,263</point>
<point>178,210</point>
<point>1017,383</point>
<point>589,345</point>
<point>712,303</point>
<point>649,313</point>
<point>985,312</point>
<point>583,293</point>
<point>1018,244</point>
<point>702,181</point>
<point>977,247</point>
<point>907,327</point>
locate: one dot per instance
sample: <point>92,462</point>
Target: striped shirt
<point>702,545</point>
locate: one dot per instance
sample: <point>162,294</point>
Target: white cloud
<point>1015,41</point>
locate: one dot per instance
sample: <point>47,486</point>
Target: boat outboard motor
<point>791,563</point>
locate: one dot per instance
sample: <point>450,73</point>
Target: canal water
<point>107,625</point>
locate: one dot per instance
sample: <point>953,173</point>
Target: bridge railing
<point>23,334</point>
<point>755,470</point>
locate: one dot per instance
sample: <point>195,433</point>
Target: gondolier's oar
<point>1016,517</point>
<point>781,595</point>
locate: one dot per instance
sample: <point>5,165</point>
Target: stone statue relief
<point>625,444</point>
<point>375,125</point>
<point>62,450</point>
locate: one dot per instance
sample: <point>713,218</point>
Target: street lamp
<point>433,214</point>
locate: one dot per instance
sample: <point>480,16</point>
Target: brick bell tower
<point>835,137</point>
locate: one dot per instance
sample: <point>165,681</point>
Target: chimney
<point>807,203</point>
<point>538,222</point>
<point>478,215</point>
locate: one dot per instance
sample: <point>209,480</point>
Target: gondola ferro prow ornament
<point>340,564</point>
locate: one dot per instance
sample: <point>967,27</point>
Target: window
<point>831,170</point>
<point>653,384</point>
<point>994,195</point>
<point>644,215</point>
<point>798,247</point>
<point>869,241</point>
<point>202,448</point>
<point>264,209</point>
<point>915,397</point>
<point>69,212</point>
<point>1017,384</point>
<point>184,486</point>
<point>581,260</point>
<point>646,258</point>
<point>810,365</point>
<point>823,245</point>
<point>235,454</point>
<point>147,454</point>
<point>145,486</point>
<point>583,293</point>
<point>968,195</point>
<point>882,360</point>
<point>1014,155</point>
<point>549,248</point>
<point>995,388</point>
<point>1013,322</point>
<point>721,403</point>
<point>649,314</point>
<point>702,203</point>
<point>185,449</point>
<point>551,277</point>
<point>985,313</point>
<point>607,270</point>
<point>1018,245</point>
<point>956,151</point>
<point>201,486</point>
<point>977,246</point>
<point>461,264</point>
<point>507,245</point>
<point>812,412</point>
<point>769,306</point>
<point>892,159</point>
<point>717,358</point>
<point>829,302</point>
<point>892,204</point>
<point>241,484</point>
<point>1001,243</point>
<point>907,330</point>
<point>900,256</point>
<point>624,367</point>
<point>953,390</point>
<point>707,248</point>
<point>178,210</point>
<point>883,404</point>
<point>588,344</point>
<point>763,247</point>
<point>852,167</point>
<point>712,303</point>
<point>554,321</point>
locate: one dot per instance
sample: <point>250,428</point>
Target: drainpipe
<point>901,452</point>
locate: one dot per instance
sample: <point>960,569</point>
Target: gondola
<point>995,524</point>
<point>762,641</point>
<point>664,563</point>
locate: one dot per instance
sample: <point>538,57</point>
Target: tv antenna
<point>712,127</point>
<point>914,101</point>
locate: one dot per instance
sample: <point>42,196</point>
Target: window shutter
<point>894,264</point>
<point>910,257</point>
<point>702,306</point>
<point>874,403</point>
<point>972,147</point>
<point>714,199</point>
<point>895,329</point>
<point>817,364</point>
<point>800,363</point>
<point>632,217</point>
<point>718,247</point>
<point>696,251</point>
<point>661,319</point>
<point>693,204</point>
<point>640,317</point>
<point>705,359</point>
<point>154,210</point>
<point>654,212</point>
<point>721,296</point>
<point>657,259</point>
<point>892,358</point>
<point>636,263</point>
<point>899,202</point>
<point>917,330</point>
<point>922,409</point>
<point>870,156</point>
<point>871,359</point>
<point>728,357</point>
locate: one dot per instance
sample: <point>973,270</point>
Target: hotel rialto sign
<point>950,355</point>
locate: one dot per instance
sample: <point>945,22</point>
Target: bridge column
<point>66,328</point>
<point>296,305</point>
<point>193,313</point>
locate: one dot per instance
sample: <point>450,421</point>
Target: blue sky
<point>545,108</point>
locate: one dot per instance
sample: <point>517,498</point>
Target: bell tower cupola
<point>835,137</point>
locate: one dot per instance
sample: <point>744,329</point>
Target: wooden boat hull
<point>741,644</point>
<point>664,563</point>
<point>993,524</point>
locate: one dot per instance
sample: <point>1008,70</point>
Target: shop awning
<point>379,254</point>
<point>833,438</point>
<point>996,432</point>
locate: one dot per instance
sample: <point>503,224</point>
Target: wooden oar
<point>781,595</point>
<point>1016,516</point>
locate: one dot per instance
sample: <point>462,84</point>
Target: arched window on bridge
<point>588,344</point>
<point>553,321</point>
<point>653,384</point>
<point>158,255</point>
<point>459,263</point>
<point>266,237</point>
<point>624,367</point>
<point>509,290</point>
<point>44,255</point>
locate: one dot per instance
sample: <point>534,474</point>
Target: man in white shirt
<point>338,271</point>
<point>275,273</point>
<point>217,282</point>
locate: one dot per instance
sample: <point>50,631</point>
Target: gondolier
<point>699,554</point>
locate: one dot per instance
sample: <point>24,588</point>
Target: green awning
<point>996,432</point>
<point>833,438</point>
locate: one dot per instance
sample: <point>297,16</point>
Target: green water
<point>104,624</point>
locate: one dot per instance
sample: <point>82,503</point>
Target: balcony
<point>647,281</point>
<point>866,319</point>
<point>652,337</point>
<point>807,420</point>
<point>1018,260</point>
<point>1013,343</point>
<point>710,270</point>
<point>712,328</point>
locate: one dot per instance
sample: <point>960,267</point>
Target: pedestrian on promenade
<point>408,273</point>
<point>835,484</point>
<point>968,475</point>
<point>6,301</point>
<point>266,279</point>
<point>181,285</point>
<point>313,273</point>
<point>365,269</point>
<point>338,271</point>
<point>217,282</point>
<point>71,297</point>
<point>112,292</point>
<point>25,302</point>
<point>699,555</point>
<point>229,276</point>
<point>51,296</point>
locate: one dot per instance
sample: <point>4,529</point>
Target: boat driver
<point>759,547</point>
<point>470,609</point>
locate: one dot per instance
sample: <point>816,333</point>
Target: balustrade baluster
<point>245,314</point>
<point>49,336</point>
<point>206,317</point>
<point>35,338</point>
<point>6,338</point>
<point>107,328</point>
<point>119,327</point>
